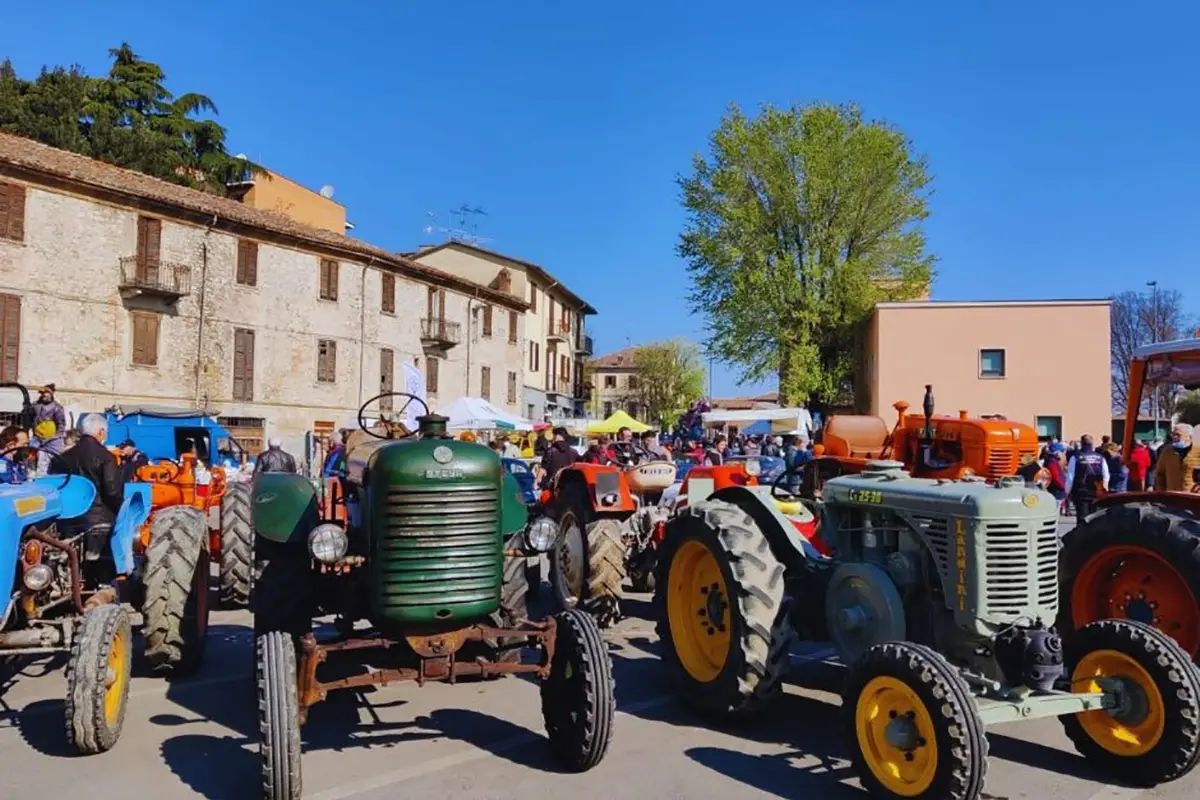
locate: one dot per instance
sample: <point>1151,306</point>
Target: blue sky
<point>1063,140</point>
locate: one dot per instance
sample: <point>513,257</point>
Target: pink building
<point>1044,362</point>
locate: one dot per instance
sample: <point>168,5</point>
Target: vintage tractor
<point>430,551</point>
<point>183,446</point>
<point>1138,556</point>
<point>929,446</point>
<point>937,596</point>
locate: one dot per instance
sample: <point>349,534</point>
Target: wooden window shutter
<point>326,360</point>
<point>442,304</point>
<point>12,211</point>
<point>512,387</point>
<point>145,338</point>
<point>247,262</point>
<point>550,314</point>
<point>485,380</point>
<point>487,320</point>
<point>532,297</point>
<point>389,293</point>
<point>512,327</point>
<point>387,363</point>
<point>10,337</point>
<point>329,279</point>
<point>149,249</point>
<point>429,304</point>
<point>431,375</point>
<point>243,365</point>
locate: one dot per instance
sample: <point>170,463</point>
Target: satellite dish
<point>241,156</point>
<point>327,192</point>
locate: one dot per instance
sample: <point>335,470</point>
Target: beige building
<point>615,384</point>
<point>122,288</point>
<point>552,328</point>
<point>270,191</point>
<point>1045,363</point>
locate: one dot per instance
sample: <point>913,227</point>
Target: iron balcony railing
<point>162,278</point>
<point>584,345</point>
<point>440,331</point>
<point>559,330</point>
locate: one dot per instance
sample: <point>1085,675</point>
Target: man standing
<point>131,459</point>
<point>275,459</point>
<point>558,454</point>
<point>1177,465</point>
<point>90,459</point>
<point>1087,471</point>
<point>47,408</point>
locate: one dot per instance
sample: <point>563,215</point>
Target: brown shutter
<point>429,302</point>
<point>389,293</point>
<point>243,365</point>
<point>12,211</point>
<point>441,304</point>
<point>512,327</point>
<point>487,320</point>
<point>145,338</point>
<point>512,387</point>
<point>247,262</point>
<point>550,314</point>
<point>149,249</point>
<point>326,360</point>
<point>532,297</point>
<point>431,375</point>
<point>386,370</point>
<point>10,337</point>
<point>485,380</point>
<point>329,279</point>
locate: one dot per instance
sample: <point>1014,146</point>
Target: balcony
<point>583,345</point>
<point>559,386</point>
<point>440,333</point>
<point>163,279</point>
<point>559,330</point>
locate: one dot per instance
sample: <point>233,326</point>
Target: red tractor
<point>1138,556</point>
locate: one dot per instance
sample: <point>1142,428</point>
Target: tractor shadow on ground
<point>41,723</point>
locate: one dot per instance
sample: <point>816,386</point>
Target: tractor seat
<point>852,436</point>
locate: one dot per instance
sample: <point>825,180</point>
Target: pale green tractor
<point>938,597</point>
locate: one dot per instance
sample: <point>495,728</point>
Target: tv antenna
<point>462,224</point>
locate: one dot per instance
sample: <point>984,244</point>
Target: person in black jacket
<point>558,455</point>
<point>275,459</point>
<point>131,459</point>
<point>90,459</point>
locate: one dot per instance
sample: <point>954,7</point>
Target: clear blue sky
<point>1063,136</point>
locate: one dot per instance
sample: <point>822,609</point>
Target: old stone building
<point>615,383</point>
<point>124,289</point>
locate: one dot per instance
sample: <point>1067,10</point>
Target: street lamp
<point>1154,340</point>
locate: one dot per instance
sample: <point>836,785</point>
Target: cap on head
<point>274,441</point>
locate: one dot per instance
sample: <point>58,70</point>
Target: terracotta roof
<point>36,162</point>
<point>622,359</point>
<point>744,402</point>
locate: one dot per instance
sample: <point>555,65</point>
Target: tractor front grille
<point>1005,461</point>
<point>438,554</point>
<point>1020,569</point>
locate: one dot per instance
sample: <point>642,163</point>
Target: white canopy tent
<point>782,419</point>
<point>475,413</point>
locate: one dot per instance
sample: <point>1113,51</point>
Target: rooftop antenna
<point>462,225</point>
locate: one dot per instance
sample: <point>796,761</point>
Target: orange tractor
<point>929,446</point>
<point>1138,556</point>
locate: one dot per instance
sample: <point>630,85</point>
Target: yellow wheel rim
<point>896,736</point>
<point>114,693</point>
<point>1136,730</point>
<point>698,611</point>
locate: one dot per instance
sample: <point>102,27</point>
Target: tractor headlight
<point>38,577</point>
<point>541,534</point>
<point>328,542</point>
<point>753,467</point>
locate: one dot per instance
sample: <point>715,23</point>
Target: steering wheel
<point>393,419</point>
<point>778,492</point>
<point>67,473</point>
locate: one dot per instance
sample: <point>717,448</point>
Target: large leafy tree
<point>127,118</point>
<point>670,377</point>
<point>799,221</point>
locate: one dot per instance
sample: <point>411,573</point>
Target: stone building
<point>124,289</point>
<point>554,340</point>
<point>615,383</point>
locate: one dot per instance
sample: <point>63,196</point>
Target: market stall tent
<point>618,420</point>
<point>475,413</point>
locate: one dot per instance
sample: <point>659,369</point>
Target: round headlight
<point>541,534</point>
<point>753,467</point>
<point>38,577</point>
<point>328,542</point>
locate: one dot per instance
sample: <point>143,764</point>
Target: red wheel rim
<point>1130,582</point>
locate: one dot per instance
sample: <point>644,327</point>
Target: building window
<point>512,387</point>
<point>512,327</point>
<point>329,279</point>
<point>534,357</point>
<point>608,410</point>
<point>247,262</point>
<point>485,383</point>
<point>326,361</point>
<point>10,337</point>
<point>12,212</point>
<point>1048,428</point>
<point>387,366</point>
<point>991,363</point>
<point>530,410</point>
<point>610,381</point>
<point>145,338</point>
<point>388,301</point>
<point>243,365</point>
<point>431,375</point>
<point>533,298</point>
<point>149,250</point>
<point>633,381</point>
<point>487,321</point>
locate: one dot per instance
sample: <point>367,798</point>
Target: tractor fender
<point>599,481</point>
<point>135,510</point>
<point>284,507</point>
<point>1183,501</point>
<point>514,514</point>
<point>788,545</point>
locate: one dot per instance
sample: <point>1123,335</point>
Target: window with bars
<point>12,212</point>
<point>512,327</point>
<point>145,337</point>
<point>485,383</point>
<point>431,375</point>
<point>388,303</point>
<point>10,337</point>
<point>326,360</point>
<point>487,321</point>
<point>243,365</point>
<point>247,262</point>
<point>512,387</point>
<point>329,279</point>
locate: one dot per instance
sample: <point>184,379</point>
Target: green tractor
<point>426,541</point>
<point>937,597</point>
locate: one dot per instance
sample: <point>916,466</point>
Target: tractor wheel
<point>237,546</point>
<point>578,703</point>
<point>1154,736</point>
<point>278,717</point>
<point>1138,562</point>
<point>533,577</point>
<point>98,679</point>
<point>588,566</point>
<point>512,611</point>
<point>721,611</point>
<point>175,613</point>
<point>283,588</point>
<point>913,725</point>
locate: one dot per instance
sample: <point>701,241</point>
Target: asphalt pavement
<point>197,738</point>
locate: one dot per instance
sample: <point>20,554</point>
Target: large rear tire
<point>98,679</point>
<point>278,717</point>
<point>237,546</point>
<point>1139,562</point>
<point>175,611</point>
<point>721,612</point>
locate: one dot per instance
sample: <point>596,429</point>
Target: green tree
<point>670,377</point>
<point>799,221</point>
<point>1188,407</point>
<point>127,118</point>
